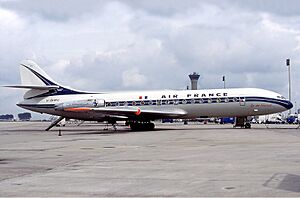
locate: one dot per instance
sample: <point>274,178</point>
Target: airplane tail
<point>32,74</point>
<point>38,82</point>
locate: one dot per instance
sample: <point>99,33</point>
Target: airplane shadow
<point>80,130</point>
<point>126,131</point>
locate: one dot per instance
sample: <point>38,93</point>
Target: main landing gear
<point>242,122</point>
<point>141,126</point>
<point>113,123</point>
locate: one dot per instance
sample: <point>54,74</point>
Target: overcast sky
<point>101,45</point>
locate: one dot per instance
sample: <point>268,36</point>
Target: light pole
<point>290,84</point>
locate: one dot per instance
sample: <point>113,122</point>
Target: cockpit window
<point>281,97</point>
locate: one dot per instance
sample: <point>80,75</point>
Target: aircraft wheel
<point>134,126</point>
<point>137,126</point>
<point>247,126</point>
<point>150,126</point>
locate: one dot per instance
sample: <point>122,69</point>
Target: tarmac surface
<point>174,160</point>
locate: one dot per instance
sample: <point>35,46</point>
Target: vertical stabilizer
<point>39,83</point>
<point>32,74</point>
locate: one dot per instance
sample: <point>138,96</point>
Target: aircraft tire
<point>151,126</point>
<point>247,126</point>
<point>137,126</point>
<point>134,126</point>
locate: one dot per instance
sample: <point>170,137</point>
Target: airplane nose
<point>289,105</point>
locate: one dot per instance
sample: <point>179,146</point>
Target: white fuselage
<point>196,103</point>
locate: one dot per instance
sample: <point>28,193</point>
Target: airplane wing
<point>132,112</point>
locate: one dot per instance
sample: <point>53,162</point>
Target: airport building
<point>194,80</point>
<point>6,117</point>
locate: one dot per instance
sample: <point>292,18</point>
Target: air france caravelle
<point>139,108</point>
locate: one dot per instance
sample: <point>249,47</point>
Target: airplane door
<point>99,103</point>
<point>242,101</point>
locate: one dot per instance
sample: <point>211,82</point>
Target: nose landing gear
<point>247,125</point>
<point>242,122</point>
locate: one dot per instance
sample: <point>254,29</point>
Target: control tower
<point>194,80</point>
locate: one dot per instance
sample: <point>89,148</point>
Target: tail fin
<point>39,83</point>
<point>32,74</point>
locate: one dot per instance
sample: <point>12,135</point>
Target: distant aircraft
<point>139,108</point>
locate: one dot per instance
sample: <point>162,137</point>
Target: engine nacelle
<point>90,103</point>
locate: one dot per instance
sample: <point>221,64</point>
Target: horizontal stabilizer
<point>37,87</point>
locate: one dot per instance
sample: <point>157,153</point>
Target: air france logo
<point>197,95</point>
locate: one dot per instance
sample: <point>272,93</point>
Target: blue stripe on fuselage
<point>285,103</point>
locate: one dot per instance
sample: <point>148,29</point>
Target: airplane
<point>140,108</point>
